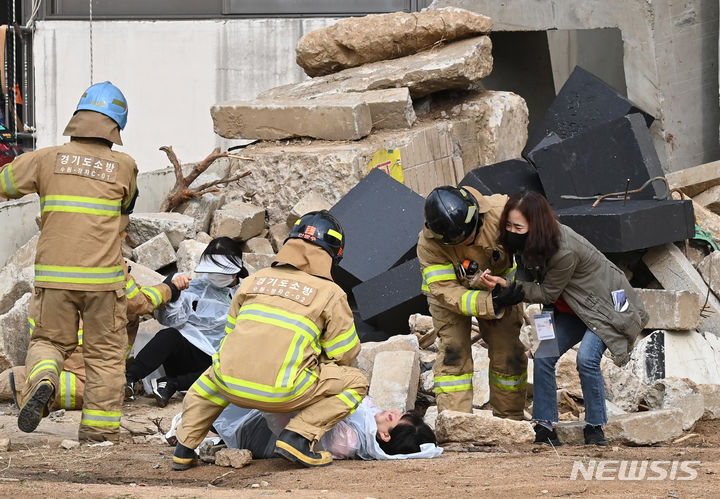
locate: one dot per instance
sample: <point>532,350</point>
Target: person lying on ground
<point>368,433</point>
<point>196,324</point>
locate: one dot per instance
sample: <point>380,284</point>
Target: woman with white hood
<point>195,324</point>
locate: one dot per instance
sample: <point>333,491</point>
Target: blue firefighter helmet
<point>107,99</point>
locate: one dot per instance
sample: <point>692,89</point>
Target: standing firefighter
<point>461,225</point>
<point>84,187</point>
<point>291,339</point>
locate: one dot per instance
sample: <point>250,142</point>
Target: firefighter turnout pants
<point>68,395</point>
<point>334,395</point>
<point>54,327</point>
<point>453,369</point>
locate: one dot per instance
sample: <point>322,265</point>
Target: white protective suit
<point>200,314</point>
<point>351,438</point>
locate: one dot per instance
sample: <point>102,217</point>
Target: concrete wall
<point>670,60</point>
<point>171,72</point>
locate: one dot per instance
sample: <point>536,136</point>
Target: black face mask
<point>515,242</point>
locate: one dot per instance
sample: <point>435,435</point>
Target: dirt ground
<point>35,466</point>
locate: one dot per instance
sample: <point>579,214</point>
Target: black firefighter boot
<point>36,406</point>
<point>296,448</point>
<point>184,458</point>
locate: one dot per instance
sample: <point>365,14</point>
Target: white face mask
<point>220,280</point>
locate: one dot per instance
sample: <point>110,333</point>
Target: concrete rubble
<point>233,458</point>
<point>155,253</point>
<point>483,429</point>
<point>395,378</point>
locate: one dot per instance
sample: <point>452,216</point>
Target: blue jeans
<point>569,330</point>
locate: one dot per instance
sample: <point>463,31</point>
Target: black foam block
<point>388,300</point>
<point>506,177</point>
<point>599,161</point>
<point>366,331</point>
<point>614,227</point>
<point>584,101</point>
<point>381,219</point>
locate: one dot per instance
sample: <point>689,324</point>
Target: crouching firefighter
<point>84,187</point>
<point>461,225</point>
<point>291,339</point>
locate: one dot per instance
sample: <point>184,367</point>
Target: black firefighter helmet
<point>322,229</point>
<point>451,214</point>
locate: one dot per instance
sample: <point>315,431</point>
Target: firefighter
<point>291,342</point>
<point>84,187</point>
<point>71,388</point>
<point>461,225</point>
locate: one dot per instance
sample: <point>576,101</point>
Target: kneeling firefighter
<point>291,339</point>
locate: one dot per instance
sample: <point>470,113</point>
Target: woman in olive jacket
<point>559,268</point>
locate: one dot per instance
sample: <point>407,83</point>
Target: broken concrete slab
<point>14,333</point>
<point>693,181</point>
<point>622,386</point>
<point>327,117</point>
<point>482,429</point>
<point>25,255</point>
<point>455,65</point>
<point>395,379</point>
<point>201,210</point>
<point>238,220</point>
<point>709,269</point>
<point>145,226</point>
<point>680,393</point>
<point>311,201</point>
<point>645,428</point>
<point>673,271</point>
<point>258,260</point>
<point>711,395</point>
<point>234,458</point>
<point>355,41</point>
<point>366,358</point>
<point>709,199</point>
<point>14,283</point>
<point>666,354</point>
<point>277,234</point>
<point>142,275</point>
<point>188,256</point>
<point>257,245</point>
<point>668,309</point>
<point>155,253</point>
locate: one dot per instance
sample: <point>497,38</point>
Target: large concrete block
<point>142,275</point>
<point>14,333</point>
<point>155,253</point>
<point>25,255</point>
<point>483,429</point>
<point>14,283</point>
<point>620,150</point>
<point>388,299</point>
<point>711,396</point>
<point>668,309</point>
<point>680,393</point>
<point>258,260</point>
<point>566,373</point>
<point>258,245</point>
<point>506,177</point>
<point>645,428</point>
<point>381,219</point>
<point>145,226</point>
<point>675,272</point>
<point>311,201</point>
<point>693,181</point>
<point>201,210</point>
<point>329,118</point>
<point>455,65</point>
<point>615,227</point>
<point>238,220</point>
<point>583,102</point>
<point>709,269</point>
<point>395,380</point>
<point>672,354</point>
<point>188,256</point>
<point>366,358</point>
<point>622,386</point>
<point>480,379</point>
<point>355,41</point>
<point>277,234</point>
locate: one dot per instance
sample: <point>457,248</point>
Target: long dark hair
<point>407,436</point>
<point>228,248</point>
<point>543,238</point>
